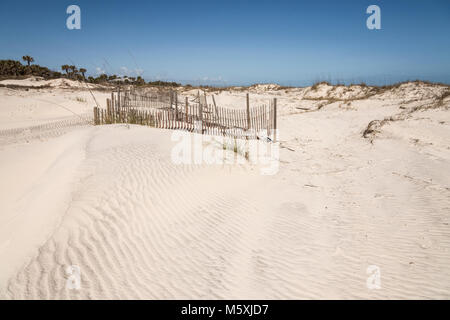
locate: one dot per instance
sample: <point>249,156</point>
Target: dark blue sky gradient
<point>236,42</point>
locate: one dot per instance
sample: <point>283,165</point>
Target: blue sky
<point>235,42</point>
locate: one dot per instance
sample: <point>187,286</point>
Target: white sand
<point>110,200</point>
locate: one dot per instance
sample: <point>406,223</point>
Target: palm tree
<point>74,71</point>
<point>83,70</point>
<point>65,68</point>
<point>28,59</point>
<point>139,80</point>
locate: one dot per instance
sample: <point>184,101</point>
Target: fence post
<point>215,106</point>
<point>248,112</point>
<point>95,116</point>
<point>176,106</point>
<point>118,103</point>
<point>118,97</point>
<point>186,109</point>
<point>274,119</point>
<point>201,114</point>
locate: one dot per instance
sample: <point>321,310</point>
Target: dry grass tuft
<point>317,84</point>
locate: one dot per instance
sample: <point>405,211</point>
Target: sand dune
<point>110,201</point>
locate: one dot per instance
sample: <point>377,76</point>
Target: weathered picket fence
<point>164,110</point>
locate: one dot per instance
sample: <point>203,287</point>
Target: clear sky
<point>235,42</point>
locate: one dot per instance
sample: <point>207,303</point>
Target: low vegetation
<point>374,126</point>
<point>13,69</point>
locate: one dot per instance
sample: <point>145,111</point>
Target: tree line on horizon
<point>15,69</point>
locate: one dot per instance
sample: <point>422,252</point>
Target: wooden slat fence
<point>167,111</point>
